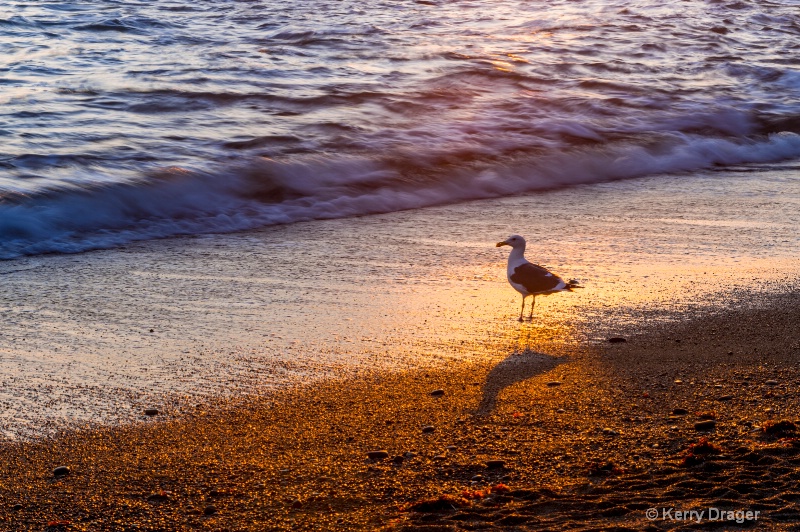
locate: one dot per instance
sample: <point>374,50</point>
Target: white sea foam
<point>266,192</point>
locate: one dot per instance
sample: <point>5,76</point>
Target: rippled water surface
<point>123,121</point>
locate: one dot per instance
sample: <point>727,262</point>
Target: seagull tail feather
<point>573,283</point>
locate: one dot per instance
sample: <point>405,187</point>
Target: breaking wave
<point>177,201</point>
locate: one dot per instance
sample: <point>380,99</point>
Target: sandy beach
<point>369,373</point>
<point>694,416</point>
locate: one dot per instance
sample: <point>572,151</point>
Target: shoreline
<point>99,336</point>
<point>589,436</point>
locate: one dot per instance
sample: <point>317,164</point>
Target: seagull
<point>531,279</point>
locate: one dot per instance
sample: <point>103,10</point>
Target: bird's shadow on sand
<point>516,368</point>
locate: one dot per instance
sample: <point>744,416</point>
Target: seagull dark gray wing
<point>534,278</point>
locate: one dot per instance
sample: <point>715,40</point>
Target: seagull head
<point>514,241</point>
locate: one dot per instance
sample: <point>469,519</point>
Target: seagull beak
<point>500,244</point>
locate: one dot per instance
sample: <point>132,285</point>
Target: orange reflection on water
<point>503,66</point>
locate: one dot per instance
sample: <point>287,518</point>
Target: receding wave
<point>263,192</point>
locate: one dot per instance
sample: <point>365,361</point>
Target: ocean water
<point>125,121</point>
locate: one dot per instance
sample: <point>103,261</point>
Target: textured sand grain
<point>587,436</point>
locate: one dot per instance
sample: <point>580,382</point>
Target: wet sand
<point>555,437</point>
<point>279,359</point>
<point>97,337</point>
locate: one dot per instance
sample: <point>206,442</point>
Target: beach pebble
<point>771,383</point>
<point>151,412</point>
<point>211,510</point>
<point>679,411</point>
<point>477,478</point>
<point>440,457</point>
<point>409,454</point>
<point>17,506</point>
<point>378,455</point>
<point>495,464</point>
<point>158,497</point>
<point>617,340</point>
<point>451,447</point>
<point>610,432</point>
<point>724,398</point>
<point>554,383</point>
<point>399,459</point>
<point>60,471</point>
<point>722,30</point>
<point>708,424</point>
<point>437,393</point>
<point>428,429</point>
<point>560,411</point>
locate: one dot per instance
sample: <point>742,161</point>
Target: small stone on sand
<point>707,424</point>
<point>378,455</point>
<point>151,412</point>
<point>209,510</point>
<point>428,429</point>
<point>60,471</point>
<point>617,340</point>
<point>437,393</point>
<point>495,464</point>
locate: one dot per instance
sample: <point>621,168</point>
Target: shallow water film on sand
<point>123,121</point>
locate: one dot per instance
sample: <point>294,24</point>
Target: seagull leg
<point>522,309</point>
<point>533,303</point>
